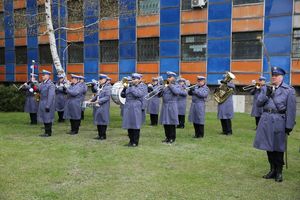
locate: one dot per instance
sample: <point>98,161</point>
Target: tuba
<point>223,91</point>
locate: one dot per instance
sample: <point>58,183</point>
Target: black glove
<point>47,110</point>
<point>190,92</point>
<point>269,91</point>
<point>288,130</point>
<point>222,81</point>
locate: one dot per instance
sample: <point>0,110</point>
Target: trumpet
<point>162,85</point>
<point>252,86</point>
<point>126,82</point>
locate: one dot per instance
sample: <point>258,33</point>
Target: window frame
<point>79,46</point>
<point>202,41</point>
<point>152,56</point>
<point>46,55</point>
<point>20,55</point>
<point>104,46</point>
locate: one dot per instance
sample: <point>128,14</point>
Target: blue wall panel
<point>32,36</point>
<point>63,51</point>
<point>169,41</point>
<point>9,40</point>
<point>278,7</point>
<point>278,25</point>
<point>218,39</point>
<point>91,40</point>
<point>278,35</point>
<point>127,38</point>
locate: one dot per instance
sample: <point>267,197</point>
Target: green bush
<point>11,100</point>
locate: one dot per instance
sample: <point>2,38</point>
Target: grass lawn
<point>79,167</point>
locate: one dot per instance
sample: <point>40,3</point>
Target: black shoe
<point>73,133</point>
<point>102,138</point>
<point>171,141</point>
<point>45,135</point>
<point>33,123</point>
<point>132,145</point>
<point>271,174</point>
<point>196,136</point>
<point>180,126</point>
<point>165,140</point>
<point>97,138</point>
<point>69,132</point>
<point>278,176</point>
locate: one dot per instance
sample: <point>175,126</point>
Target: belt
<point>274,111</point>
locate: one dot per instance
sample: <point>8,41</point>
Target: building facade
<point>119,37</point>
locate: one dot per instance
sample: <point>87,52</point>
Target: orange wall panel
<point>21,41</point>
<point>147,68</point>
<point>246,66</point>
<point>192,77</point>
<point>195,15</point>
<point>109,24</point>
<point>147,77</point>
<point>2,42</point>
<point>21,69</point>
<point>20,32</point>
<point>43,39</point>
<point>75,68</point>
<point>149,31</point>
<point>245,79</point>
<point>73,36</point>
<point>109,34</point>
<point>297,7</point>
<point>295,65</point>
<point>114,77</point>
<point>1,6</point>
<point>247,25</point>
<point>194,28</point>
<point>21,77</point>
<point>147,20</point>
<point>2,73</point>
<point>19,4</point>
<point>295,79</point>
<point>247,11</point>
<point>108,68</point>
<point>2,34</point>
<point>197,67</point>
<point>76,25</point>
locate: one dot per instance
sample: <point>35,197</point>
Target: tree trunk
<point>52,41</point>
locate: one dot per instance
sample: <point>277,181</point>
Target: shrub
<point>11,100</point>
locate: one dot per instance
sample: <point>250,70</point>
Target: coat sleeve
<point>202,92</point>
<point>182,92</point>
<point>174,89</point>
<point>291,109</point>
<point>106,96</point>
<point>74,92</point>
<point>137,92</point>
<point>51,95</point>
<point>262,97</point>
<point>231,85</point>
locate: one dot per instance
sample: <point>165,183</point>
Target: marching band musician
<point>31,103</point>
<point>181,103</point>
<point>144,88</point>
<point>199,95</point>
<point>132,114</point>
<point>153,103</point>
<point>101,112</point>
<point>84,89</point>
<point>121,105</point>
<point>169,110</point>
<point>108,81</point>
<point>225,112</point>
<point>73,104</point>
<point>60,97</point>
<point>47,103</point>
<point>277,121</point>
<point>256,110</point>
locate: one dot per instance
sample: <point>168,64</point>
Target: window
<point>2,56</point>
<point>45,54</point>
<point>41,17</point>
<point>148,7</point>
<point>296,43</point>
<point>109,8</point>
<point>21,55</point>
<point>1,21</point>
<point>75,52</point>
<point>186,5</point>
<point>19,16</point>
<point>75,10</point>
<point>246,45</point>
<point>148,49</point>
<point>193,47</point>
<point>237,2</point>
<point>109,51</point>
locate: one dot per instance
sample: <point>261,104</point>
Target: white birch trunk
<point>52,40</point>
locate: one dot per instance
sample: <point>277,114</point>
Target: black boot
<point>272,173</point>
<point>278,176</point>
<point>60,116</point>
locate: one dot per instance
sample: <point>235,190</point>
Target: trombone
<point>254,85</point>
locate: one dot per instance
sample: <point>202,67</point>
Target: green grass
<point>78,167</point>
